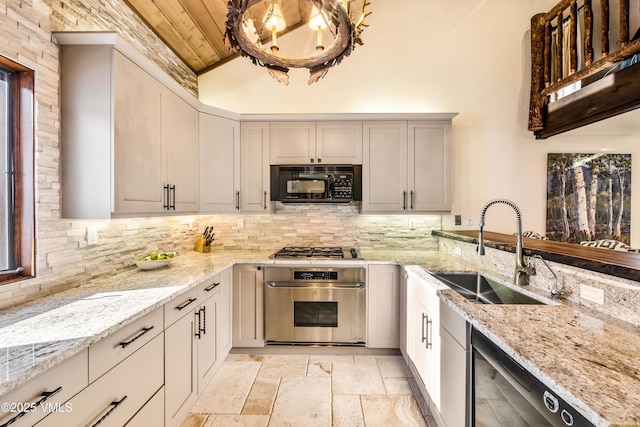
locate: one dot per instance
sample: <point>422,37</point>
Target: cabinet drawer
<point>151,414</point>
<point>113,349</point>
<point>208,288</point>
<point>116,396</point>
<point>179,306</point>
<point>51,388</point>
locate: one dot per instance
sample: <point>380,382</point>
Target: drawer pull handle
<point>124,344</point>
<point>113,405</point>
<point>212,287</point>
<point>43,398</point>
<point>422,335</point>
<point>185,304</point>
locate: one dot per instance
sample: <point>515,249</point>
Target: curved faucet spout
<point>520,269</point>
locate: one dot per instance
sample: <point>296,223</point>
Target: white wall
<point>465,56</point>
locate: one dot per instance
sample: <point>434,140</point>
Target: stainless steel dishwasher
<point>506,394</point>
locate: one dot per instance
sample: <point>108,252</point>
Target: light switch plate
<point>92,235</point>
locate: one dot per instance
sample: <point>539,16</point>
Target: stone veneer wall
<point>115,15</point>
<point>621,296</point>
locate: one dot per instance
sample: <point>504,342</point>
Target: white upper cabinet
<point>254,167</point>
<point>292,143</point>
<point>234,165</point>
<point>406,166</point>
<point>384,167</point>
<point>219,164</point>
<point>129,144</point>
<point>331,143</point>
<point>339,143</point>
<point>180,140</point>
<point>429,164</point>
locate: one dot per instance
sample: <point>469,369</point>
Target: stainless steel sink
<point>478,288</point>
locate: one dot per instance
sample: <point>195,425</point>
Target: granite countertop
<point>587,360</point>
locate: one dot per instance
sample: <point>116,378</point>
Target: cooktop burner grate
<point>309,252</point>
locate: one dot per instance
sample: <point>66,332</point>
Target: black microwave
<point>327,183</point>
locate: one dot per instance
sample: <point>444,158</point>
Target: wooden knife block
<point>201,245</point>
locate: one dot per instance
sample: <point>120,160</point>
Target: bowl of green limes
<point>155,260</point>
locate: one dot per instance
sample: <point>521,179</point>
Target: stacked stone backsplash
<point>65,260</point>
<point>621,296</point>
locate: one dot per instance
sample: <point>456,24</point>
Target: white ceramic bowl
<point>152,264</point>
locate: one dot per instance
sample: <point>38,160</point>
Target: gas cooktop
<point>316,252</point>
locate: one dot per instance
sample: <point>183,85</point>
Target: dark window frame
<point>22,140</point>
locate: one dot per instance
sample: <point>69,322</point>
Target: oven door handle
<point>337,285</point>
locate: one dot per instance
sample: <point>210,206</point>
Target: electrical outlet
<point>240,223</point>
<point>412,223</point>
<point>592,294</point>
<point>92,235</point>
<point>469,221</point>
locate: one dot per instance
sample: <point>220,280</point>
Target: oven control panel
<point>315,275</point>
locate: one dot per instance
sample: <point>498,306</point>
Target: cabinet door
<point>223,313</point>
<point>180,139</point>
<point>384,167</point>
<point>404,312</point>
<point>206,315</point>
<point>180,369</point>
<point>292,143</point>
<point>138,163</point>
<point>254,169</point>
<point>424,338</point>
<point>339,143</point>
<point>219,164</point>
<point>455,363</point>
<point>383,306</point>
<point>248,297</point>
<point>428,167</point>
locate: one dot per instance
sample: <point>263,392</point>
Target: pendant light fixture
<point>328,17</point>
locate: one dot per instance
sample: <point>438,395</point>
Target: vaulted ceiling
<point>194,29</point>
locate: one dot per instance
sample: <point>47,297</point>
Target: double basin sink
<point>480,289</point>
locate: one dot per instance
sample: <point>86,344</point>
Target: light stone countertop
<point>589,360</point>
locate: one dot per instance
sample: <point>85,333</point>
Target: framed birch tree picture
<point>588,197</point>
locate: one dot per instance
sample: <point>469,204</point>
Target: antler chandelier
<point>250,36</point>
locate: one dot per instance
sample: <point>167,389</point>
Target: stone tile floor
<point>309,391</point>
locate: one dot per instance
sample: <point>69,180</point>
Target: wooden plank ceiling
<point>194,29</point>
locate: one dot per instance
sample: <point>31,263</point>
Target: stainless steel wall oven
<point>315,305</point>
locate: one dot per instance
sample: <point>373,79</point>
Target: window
<point>17,219</point>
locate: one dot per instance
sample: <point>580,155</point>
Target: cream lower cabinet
<point>48,390</point>
<point>406,166</point>
<point>248,310</point>
<point>455,365</point>
<point>223,314</point>
<point>114,398</point>
<point>181,358</point>
<point>383,306</point>
<point>423,339</point>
